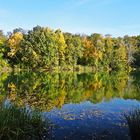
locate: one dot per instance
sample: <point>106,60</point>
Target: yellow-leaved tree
<point>13,43</point>
<point>60,42</point>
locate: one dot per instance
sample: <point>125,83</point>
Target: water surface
<point>79,105</point>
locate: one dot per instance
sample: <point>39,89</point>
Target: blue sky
<point>115,17</point>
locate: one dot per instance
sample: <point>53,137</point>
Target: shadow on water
<point>81,106</point>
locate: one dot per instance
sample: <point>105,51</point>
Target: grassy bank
<point>20,124</point>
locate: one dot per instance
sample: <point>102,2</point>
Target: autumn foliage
<point>49,49</point>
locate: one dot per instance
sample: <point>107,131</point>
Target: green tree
<point>119,61</point>
<point>3,61</point>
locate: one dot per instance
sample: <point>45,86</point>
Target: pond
<point>80,106</point>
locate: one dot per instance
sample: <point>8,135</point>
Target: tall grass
<point>133,120</point>
<point>20,124</point>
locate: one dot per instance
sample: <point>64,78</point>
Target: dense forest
<point>51,49</point>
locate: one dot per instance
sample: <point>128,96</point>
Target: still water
<point>78,105</point>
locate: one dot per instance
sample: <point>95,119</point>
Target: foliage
<point>50,49</point>
<point>14,43</point>
<point>137,58</point>
<point>90,53</point>
<point>3,62</point>
<point>12,47</point>
<point>43,47</point>
<point>74,49</point>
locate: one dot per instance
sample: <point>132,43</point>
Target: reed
<point>20,123</point>
<point>133,121</point>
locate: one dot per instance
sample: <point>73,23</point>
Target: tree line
<point>48,49</point>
